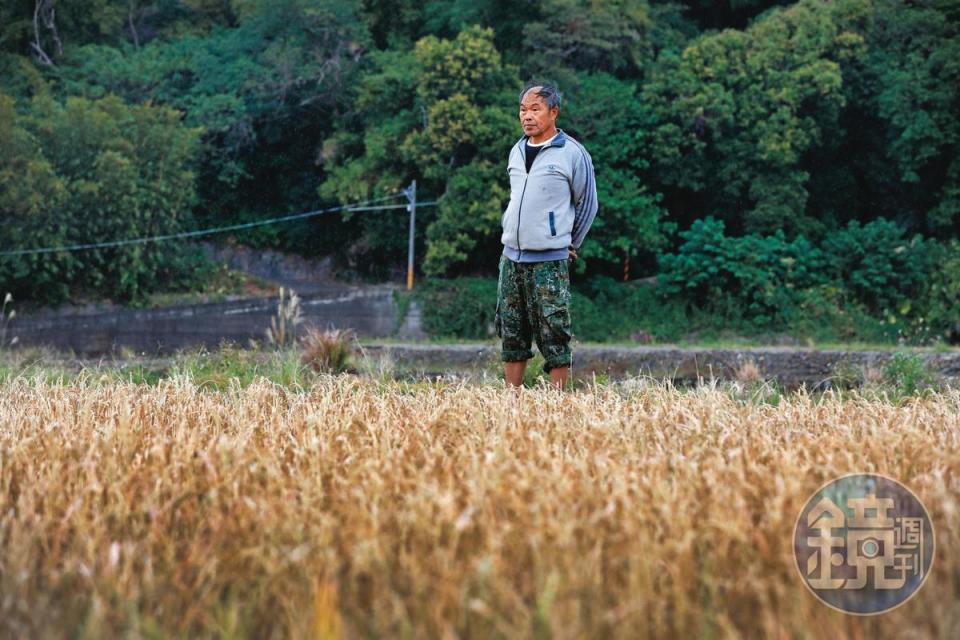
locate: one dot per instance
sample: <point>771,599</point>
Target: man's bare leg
<point>513,372</point>
<point>558,377</point>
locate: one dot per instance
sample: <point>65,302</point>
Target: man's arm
<point>584,197</point>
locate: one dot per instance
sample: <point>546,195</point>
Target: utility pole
<point>411,193</point>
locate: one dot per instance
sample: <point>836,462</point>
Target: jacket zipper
<point>524,191</point>
<point>519,209</point>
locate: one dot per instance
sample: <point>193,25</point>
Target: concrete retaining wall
<point>371,311</point>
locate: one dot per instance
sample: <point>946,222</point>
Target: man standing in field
<point>553,201</point>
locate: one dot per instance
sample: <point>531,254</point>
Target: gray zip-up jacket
<point>552,207</point>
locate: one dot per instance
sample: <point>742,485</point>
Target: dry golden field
<point>361,509</point>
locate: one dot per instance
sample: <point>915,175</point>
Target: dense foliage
<point>84,171</point>
<point>777,156</point>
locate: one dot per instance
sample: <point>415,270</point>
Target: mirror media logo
<point>863,544</point>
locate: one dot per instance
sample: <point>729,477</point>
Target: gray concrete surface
<point>370,311</point>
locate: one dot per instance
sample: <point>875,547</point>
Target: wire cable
<point>360,206</point>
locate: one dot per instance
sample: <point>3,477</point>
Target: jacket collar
<point>558,141</point>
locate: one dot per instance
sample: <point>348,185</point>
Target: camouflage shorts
<point>533,302</point>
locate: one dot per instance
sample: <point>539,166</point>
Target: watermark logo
<point>863,544</point>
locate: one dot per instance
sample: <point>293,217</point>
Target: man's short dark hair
<point>548,92</point>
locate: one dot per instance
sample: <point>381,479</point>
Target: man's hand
<point>573,254</point>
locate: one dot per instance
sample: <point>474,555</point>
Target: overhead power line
<point>368,205</point>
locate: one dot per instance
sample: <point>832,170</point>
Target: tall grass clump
<point>6,317</point>
<point>327,350</point>
<point>282,331</point>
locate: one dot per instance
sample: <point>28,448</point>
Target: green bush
<point>458,308</point>
<point>906,374</point>
<point>881,268</point>
<point>828,313</point>
<point>763,275</point>
<point>939,309</point>
<point>602,310</point>
<point>606,310</point>
<point>857,273</point>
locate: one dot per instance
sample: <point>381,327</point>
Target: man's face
<point>535,117</point>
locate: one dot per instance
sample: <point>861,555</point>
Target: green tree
<point>723,14</point>
<point>263,92</point>
<point>398,24</point>
<point>614,36</point>
<point>737,113</point>
<point>607,116</point>
<point>441,114</point>
<point>914,61</point>
<point>92,171</point>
